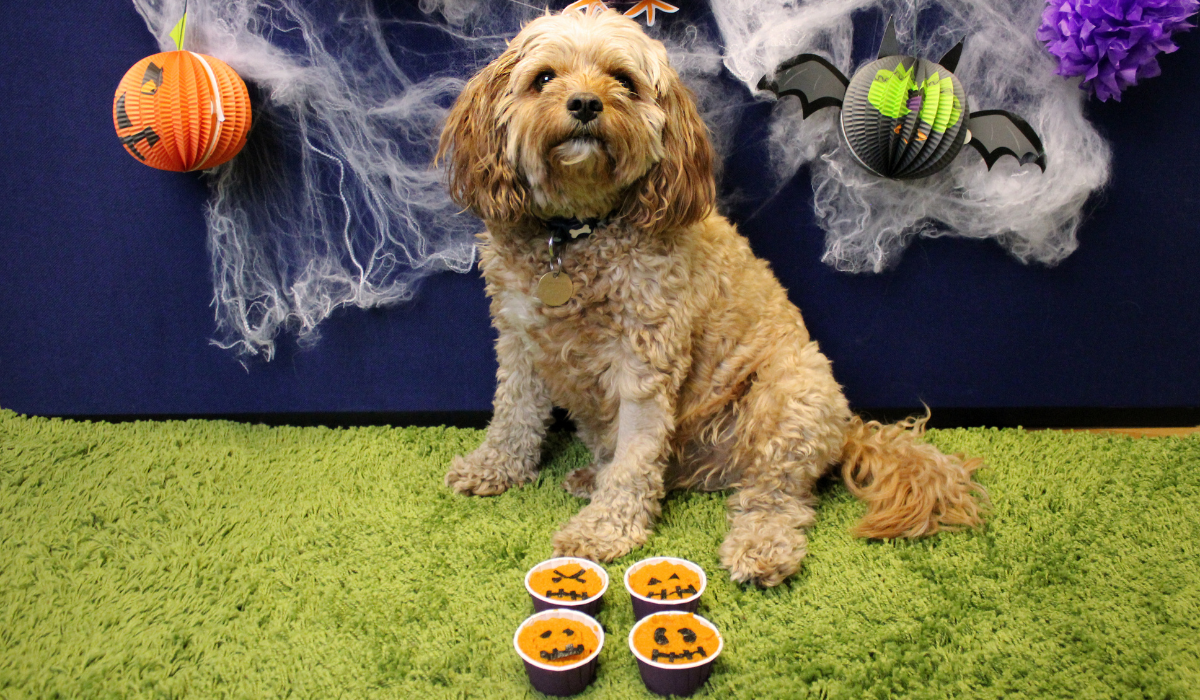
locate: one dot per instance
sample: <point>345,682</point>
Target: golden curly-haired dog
<point>677,354</point>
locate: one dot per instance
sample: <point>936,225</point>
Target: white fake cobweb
<point>334,202</point>
<point>869,220</point>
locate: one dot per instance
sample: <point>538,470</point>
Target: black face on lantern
<point>151,81</point>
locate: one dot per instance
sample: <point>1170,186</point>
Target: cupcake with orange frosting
<point>559,648</point>
<point>567,582</point>
<point>664,583</point>
<point>675,651</point>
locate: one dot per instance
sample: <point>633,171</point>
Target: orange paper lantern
<point>182,111</point>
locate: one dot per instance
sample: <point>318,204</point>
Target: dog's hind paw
<point>581,482</point>
<point>485,473</point>
<point>764,557</point>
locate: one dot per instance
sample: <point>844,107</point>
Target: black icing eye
<point>546,634</point>
<point>626,82</point>
<point>660,636</point>
<point>571,633</point>
<point>542,79</point>
<point>688,635</point>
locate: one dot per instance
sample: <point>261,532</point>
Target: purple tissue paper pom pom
<point>1112,43</point>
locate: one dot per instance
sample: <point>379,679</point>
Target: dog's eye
<point>626,82</point>
<point>542,78</point>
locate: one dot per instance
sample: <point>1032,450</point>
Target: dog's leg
<point>627,493</point>
<point>512,449</point>
<point>794,425</point>
<point>766,542</point>
<point>581,482</point>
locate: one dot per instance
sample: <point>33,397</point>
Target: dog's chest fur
<point>630,290</point>
<point>683,311</point>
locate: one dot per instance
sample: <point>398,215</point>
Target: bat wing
<point>814,80</point>
<point>950,60</point>
<point>890,46</point>
<point>995,132</point>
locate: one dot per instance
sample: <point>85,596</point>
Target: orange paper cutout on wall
<point>182,111</point>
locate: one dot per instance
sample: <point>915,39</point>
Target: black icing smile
<point>672,657</point>
<point>679,592</point>
<point>565,594</point>
<point>566,652</point>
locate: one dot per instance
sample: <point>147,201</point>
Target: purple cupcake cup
<point>589,606</point>
<point>643,606</point>
<point>563,680</point>
<point>675,679</point>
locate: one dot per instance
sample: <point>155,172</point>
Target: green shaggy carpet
<point>210,560</point>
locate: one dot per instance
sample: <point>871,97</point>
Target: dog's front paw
<point>600,534</point>
<point>581,482</point>
<point>764,556</point>
<point>485,472</point>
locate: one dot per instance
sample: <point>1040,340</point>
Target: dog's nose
<point>584,106</point>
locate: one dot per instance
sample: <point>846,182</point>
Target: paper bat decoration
<point>904,117</point>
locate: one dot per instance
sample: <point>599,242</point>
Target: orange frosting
<point>557,641</point>
<point>569,583</point>
<point>675,639</point>
<point>665,580</point>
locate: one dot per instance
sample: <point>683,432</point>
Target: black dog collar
<point>565,230</point>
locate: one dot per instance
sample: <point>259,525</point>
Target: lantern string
<point>180,29</point>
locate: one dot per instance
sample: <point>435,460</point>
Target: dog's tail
<point>910,487</point>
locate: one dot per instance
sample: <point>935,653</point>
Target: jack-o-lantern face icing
<point>675,639</point>
<point>665,580</point>
<point>557,640</point>
<point>570,583</point>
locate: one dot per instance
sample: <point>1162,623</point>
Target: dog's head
<point>581,116</point>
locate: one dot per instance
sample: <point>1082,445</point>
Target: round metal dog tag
<point>554,288</point>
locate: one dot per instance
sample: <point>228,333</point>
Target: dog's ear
<point>679,190</point>
<point>472,147</point>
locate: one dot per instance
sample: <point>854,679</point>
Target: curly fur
<point>679,357</point>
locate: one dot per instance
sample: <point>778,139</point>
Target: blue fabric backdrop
<point>105,279</point>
